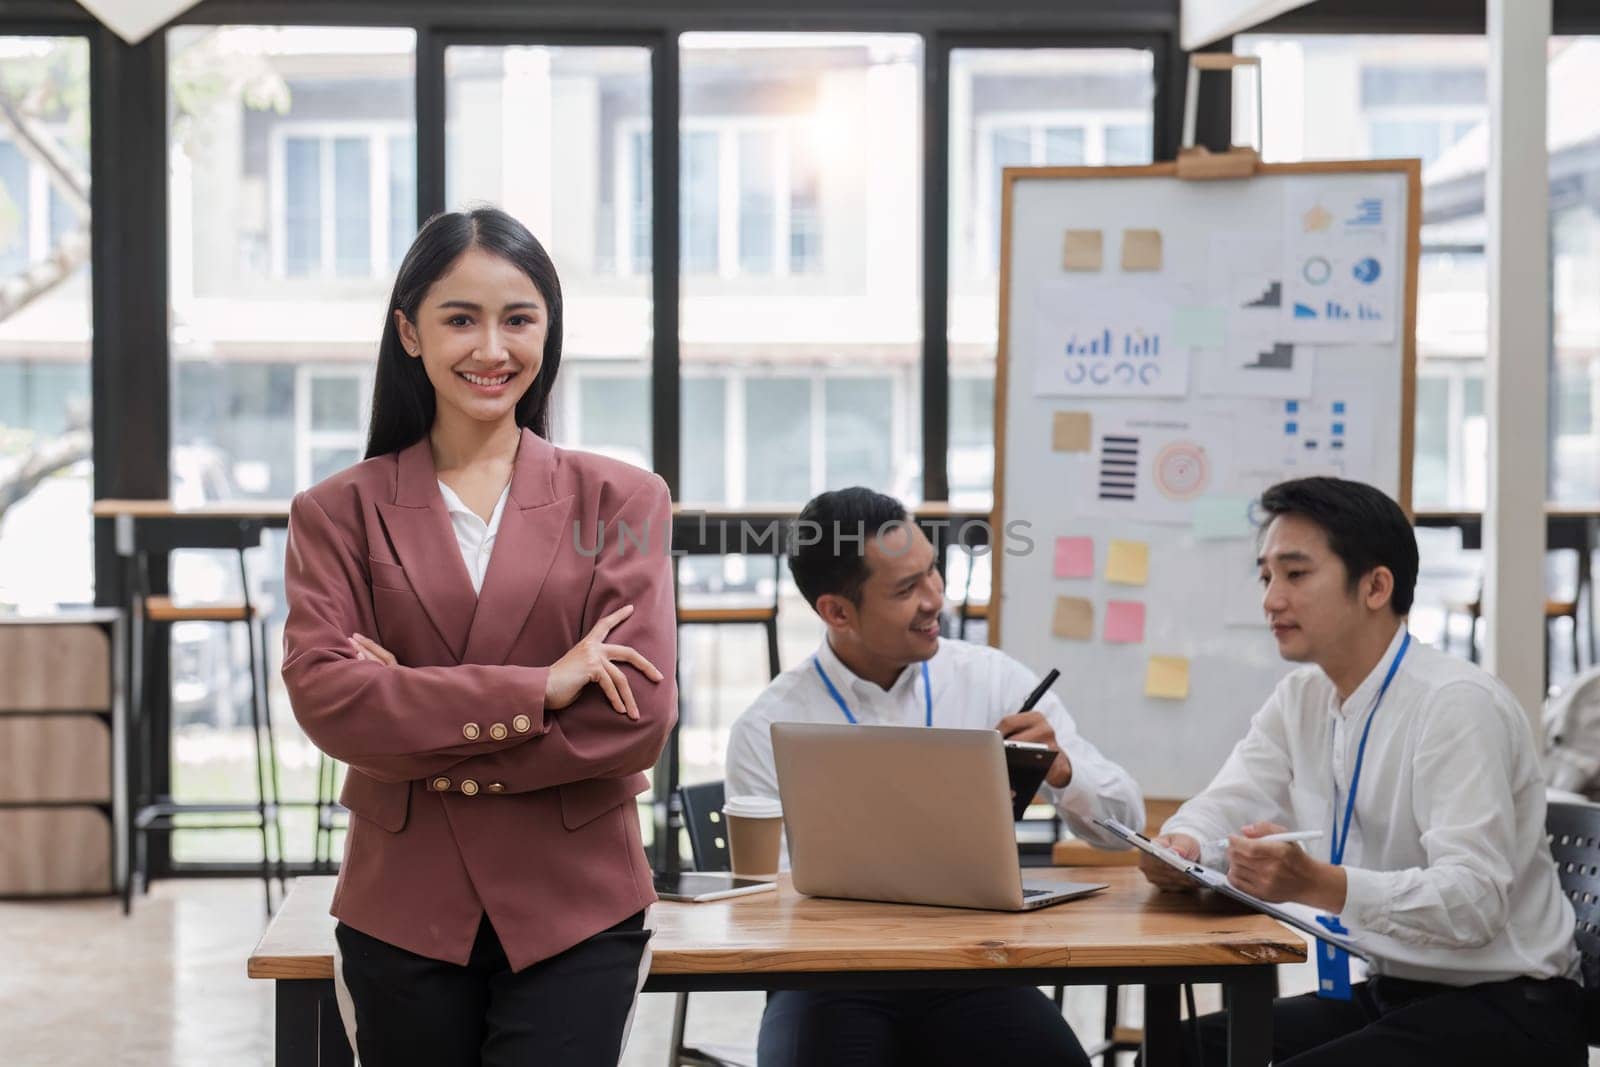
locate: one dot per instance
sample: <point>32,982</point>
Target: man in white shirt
<point>1441,869</point>
<point>873,578</point>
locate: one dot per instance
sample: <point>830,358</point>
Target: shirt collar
<point>848,681</point>
<point>456,506</point>
<point>1367,691</point>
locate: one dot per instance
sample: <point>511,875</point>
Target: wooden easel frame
<point>1410,168</point>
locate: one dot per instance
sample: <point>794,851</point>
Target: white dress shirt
<point>475,536</point>
<point>974,687</point>
<point>1449,873</point>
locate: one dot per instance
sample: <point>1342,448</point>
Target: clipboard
<point>1210,879</point>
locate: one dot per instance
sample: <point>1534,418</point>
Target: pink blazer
<point>467,796</point>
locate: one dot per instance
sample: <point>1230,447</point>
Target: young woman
<point>490,678</point>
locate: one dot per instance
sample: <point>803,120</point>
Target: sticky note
<point>1074,557</point>
<point>1128,562</point>
<point>1199,327</point>
<point>1124,622</point>
<point>1071,431</point>
<point>1222,518</point>
<point>1141,249</point>
<point>1074,618</point>
<point>1167,678</point>
<point>1082,250</point>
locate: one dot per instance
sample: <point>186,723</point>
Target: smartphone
<point>697,886</point>
<point>1027,762</point>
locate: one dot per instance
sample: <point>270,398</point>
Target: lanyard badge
<point>838,698</point>
<point>1333,962</point>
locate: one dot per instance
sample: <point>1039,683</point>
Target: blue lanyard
<point>1342,838</point>
<point>927,692</point>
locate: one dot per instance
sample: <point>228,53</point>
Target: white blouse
<point>475,536</point>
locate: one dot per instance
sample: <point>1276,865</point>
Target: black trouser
<point>1003,1026</point>
<point>569,1009</point>
<point>1393,1021</point>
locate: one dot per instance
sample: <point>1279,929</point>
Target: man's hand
<point>1033,726</point>
<point>1278,871</point>
<point>1160,874</point>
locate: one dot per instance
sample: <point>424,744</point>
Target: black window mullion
<point>430,116</point>
<point>665,281</point>
<point>936,269</point>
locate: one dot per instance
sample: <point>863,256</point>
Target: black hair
<point>1365,529</point>
<point>828,548</point>
<point>403,401</point>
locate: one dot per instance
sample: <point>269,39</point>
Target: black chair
<point>1574,833</point>
<point>162,813</point>
<point>708,844</point>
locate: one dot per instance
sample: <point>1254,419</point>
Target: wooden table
<point>1128,935</point>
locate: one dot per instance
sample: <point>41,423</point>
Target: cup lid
<point>753,807</point>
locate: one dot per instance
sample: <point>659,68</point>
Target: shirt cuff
<point>1364,896</point>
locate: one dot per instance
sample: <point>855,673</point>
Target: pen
<point>1292,835</point>
<point>1042,688</point>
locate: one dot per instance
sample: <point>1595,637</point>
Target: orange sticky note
<point>1128,562</point>
<point>1167,678</point>
<point>1124,622</point>
<point>1074,557</point>
<point>1082,250</point>
<point>1071,431</point>
<point>1074,618</point>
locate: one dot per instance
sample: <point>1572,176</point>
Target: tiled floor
<point>80,986</point>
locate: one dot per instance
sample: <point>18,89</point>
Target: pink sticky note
<point>1124,622</point>
<point>1074,557</point>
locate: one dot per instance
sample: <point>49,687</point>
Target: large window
<point>560,138</point>
<point>801,258</point>
<point>46,550</point>
<point>292,198</point>
<point>1019,108</point>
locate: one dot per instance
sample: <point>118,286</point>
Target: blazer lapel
<point>533,532</point>
<point>424,540</point>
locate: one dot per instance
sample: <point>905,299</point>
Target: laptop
<point>912,816</point>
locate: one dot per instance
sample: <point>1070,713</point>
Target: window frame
<point>378,133</point>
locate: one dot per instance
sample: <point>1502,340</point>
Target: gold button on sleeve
<point>470,731</point>
<point>469,787</point>
<point>522,724</point>
<point>441,783</point>
<point>496,787</point>
<point>498,731</point>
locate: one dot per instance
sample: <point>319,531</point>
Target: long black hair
<point>403,401</point>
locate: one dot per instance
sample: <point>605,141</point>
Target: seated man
<point>873,578</point>
<point>1440,867</point>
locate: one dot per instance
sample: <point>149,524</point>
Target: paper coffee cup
<point>755,827</point>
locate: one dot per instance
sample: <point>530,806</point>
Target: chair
<point>161,813</point>
<point>968,610</point>
<point>1554,610</point>
<point>1574,834</point>
<point>762,615</point>
<point>708,844</point>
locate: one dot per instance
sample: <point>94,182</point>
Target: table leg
<point>1250,998</point>
<point>1163,1037</point>
<point>309,1032</point>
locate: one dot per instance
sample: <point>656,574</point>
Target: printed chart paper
<point>1342,262</point>
<point>1099,340</point>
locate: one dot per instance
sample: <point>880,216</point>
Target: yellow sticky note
<point>1128,562</point>
<point>1167,678</point>
<point>1082,250</point>
<point>1074,619</point>
<point>1071,431</point>
<point>1141,249</point>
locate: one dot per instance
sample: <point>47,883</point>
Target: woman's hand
<point>367,648</point>
<point>592,660</point>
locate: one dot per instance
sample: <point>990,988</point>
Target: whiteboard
<point>1147,395</point>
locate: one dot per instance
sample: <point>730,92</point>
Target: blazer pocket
<point>583,802</point>
<point>388,575</point>
<point>385,804</point>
